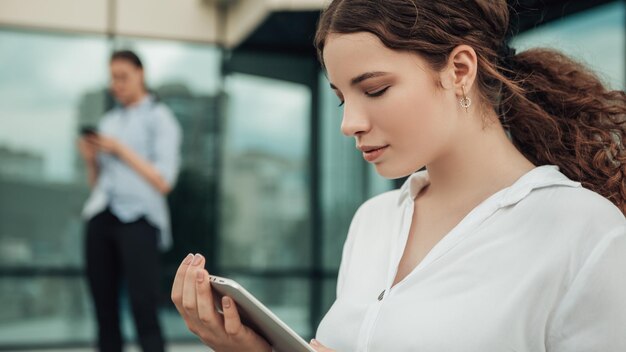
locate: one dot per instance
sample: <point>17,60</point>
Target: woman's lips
<point>372,153</point>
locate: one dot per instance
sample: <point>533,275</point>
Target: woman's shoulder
<point>577,205</point>
<point>114,111</point>
<point>165,116</point>
<point>162,110</point>
<point>575,219</point>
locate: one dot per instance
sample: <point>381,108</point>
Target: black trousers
<point>115,250</point>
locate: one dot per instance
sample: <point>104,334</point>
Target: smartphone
<point>258,317</point>
<point>88,130</point>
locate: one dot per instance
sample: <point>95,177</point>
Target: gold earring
<point>465,101</point>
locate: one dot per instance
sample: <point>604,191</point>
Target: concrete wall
<point>188,20</point>
<point>226,22</point>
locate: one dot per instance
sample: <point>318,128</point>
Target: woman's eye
<point>377,93</point>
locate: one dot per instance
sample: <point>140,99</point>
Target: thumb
<point>232,321</point>
<point>317,346</point>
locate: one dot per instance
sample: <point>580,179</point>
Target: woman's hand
<point>106,144</point>
<point>319,347</point>
<point>87,150</point>
<point>133,159</point>
<point>191,293</point>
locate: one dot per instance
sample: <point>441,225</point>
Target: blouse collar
<point>539,177</point>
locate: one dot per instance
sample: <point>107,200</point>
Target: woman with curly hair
<point>513,237</point>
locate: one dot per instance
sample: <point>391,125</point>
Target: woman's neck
<point>479,164</point>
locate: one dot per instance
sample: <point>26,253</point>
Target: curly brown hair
<point>556,110</point>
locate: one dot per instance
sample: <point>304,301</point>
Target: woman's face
<point>126,81</point>
<point>400,117</point>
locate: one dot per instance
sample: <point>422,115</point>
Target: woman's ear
<point>461,69</point>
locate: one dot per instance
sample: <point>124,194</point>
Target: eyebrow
<point>360,78</point>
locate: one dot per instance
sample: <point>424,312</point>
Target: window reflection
<point>265,192</point>
<point>48,309</point>
<point>40,108</point>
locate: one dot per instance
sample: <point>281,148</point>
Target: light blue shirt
<point>150,129</point>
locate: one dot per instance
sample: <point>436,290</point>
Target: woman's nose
<point>354,122</point>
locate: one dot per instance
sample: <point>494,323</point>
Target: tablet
<point>258,317</point>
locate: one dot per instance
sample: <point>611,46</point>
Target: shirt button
<point>382,294</point>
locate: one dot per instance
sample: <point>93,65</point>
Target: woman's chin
<point>392,172</point>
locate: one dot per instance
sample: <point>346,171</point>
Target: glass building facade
<point>268,184</point>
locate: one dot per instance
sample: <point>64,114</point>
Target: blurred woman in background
<point>132,161</point>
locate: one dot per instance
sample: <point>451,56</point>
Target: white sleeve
<point>168,139</point>
<point>592,314</point>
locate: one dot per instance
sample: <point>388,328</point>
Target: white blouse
<point>538,266</point>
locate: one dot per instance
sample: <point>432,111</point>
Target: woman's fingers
<point>85,148</point>
<point>239,333</point>
<point>179,280</point>
<point>189,286</point>
<point>204,298</point>
<point>104,143</point>
<point>191,293</point>
<point>232,321</point>
<point>319,347</point>
<point>93,141</point>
